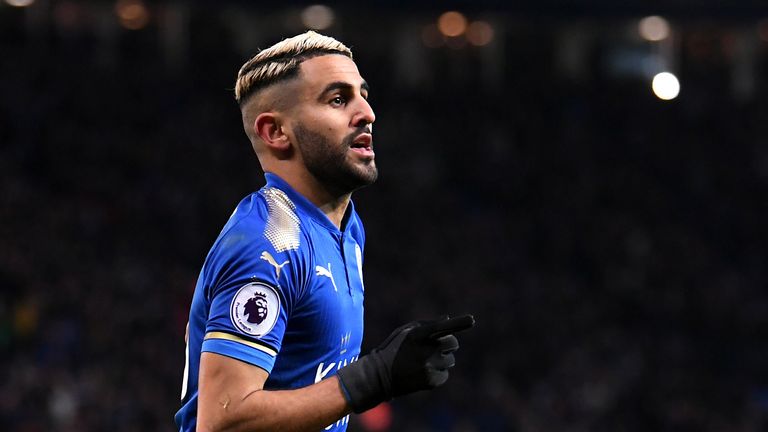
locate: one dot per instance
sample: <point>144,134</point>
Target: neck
<point>334,209</point>
<point>333,205</point>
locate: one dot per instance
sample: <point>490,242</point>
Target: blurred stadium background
<point>589,178</point>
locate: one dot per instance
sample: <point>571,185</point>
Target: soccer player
<point>276,321</point>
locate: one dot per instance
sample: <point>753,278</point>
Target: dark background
<point>611,245</point>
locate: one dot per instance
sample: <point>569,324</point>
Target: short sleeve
<point>252,293</point>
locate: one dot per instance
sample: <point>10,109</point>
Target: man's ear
<point>268,127</point>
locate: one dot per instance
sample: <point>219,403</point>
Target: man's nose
<point>364,115</point>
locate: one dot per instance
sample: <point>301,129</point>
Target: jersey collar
<point>306,206</point>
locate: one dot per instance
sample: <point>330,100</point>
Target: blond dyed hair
<point>281,61</point>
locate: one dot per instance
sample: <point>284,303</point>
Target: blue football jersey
<point>281,289</point>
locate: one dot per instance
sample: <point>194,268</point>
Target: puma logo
<point>322,271</point>
<point>266,256</point>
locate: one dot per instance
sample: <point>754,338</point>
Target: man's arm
<point>416,356</point>
<point>231,398</point>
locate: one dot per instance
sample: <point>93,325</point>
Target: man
<point>277,315</point>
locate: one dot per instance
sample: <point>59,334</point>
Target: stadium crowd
<point>611,246</point>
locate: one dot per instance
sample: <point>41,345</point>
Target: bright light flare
<point>133,14</point>
<point>452,24</point>
<point>665,86</point>
<point>317,17</point>
<point>653,28</point>
<point>479,33</point>
<point>20,3</point>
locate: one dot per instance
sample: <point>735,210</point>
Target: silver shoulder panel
<point>283,226</point>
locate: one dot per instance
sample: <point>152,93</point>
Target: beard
<point>330,163</point>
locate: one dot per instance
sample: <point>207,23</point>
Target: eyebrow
<point>339,85</point>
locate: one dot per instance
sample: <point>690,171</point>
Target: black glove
<point>414,357</point>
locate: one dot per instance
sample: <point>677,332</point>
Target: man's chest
<point>329,315</point>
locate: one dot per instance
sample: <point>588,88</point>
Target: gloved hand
<point>414,357</point>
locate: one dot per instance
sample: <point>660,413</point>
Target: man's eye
<point>338,100</point>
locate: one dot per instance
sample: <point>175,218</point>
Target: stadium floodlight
<point>665,86</point>
<point>452,24</point>
<point>317,17</point>
<point>479,33</point>
<point>20,3</point>
<point>653,28</point>
<point>132,14</point>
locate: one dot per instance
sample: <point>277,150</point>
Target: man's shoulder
<point>266,219</point>
<point>247,221</point>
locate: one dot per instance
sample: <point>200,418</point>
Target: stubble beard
<point>330,164</point>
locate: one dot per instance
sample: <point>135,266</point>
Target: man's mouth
<point>363,144</point>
